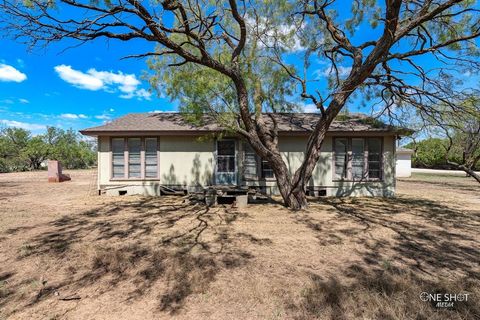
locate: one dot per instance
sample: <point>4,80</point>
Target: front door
<point>226,168</point>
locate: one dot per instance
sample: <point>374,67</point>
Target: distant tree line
<point>432,153</point>
<point>22,151</point>
<point>454,137</point>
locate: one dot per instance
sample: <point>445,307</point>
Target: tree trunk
<point>296,200</point>
<point>266,145</point>
<point>312,155</point>
<point>293,199</point>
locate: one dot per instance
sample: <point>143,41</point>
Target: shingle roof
<point>287,123</point>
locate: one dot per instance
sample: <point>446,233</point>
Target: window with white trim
<point>357,158</point>
<point>134,158</point>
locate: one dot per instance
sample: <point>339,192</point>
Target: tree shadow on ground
<point>386,293</point>
<point>176,247</point>
<point>429,248</point>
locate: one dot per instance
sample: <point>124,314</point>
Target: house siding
<point>186,161</point>
<point>189,161</point>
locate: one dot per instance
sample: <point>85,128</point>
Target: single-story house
<point>141,153</point>
<point>404,162</point>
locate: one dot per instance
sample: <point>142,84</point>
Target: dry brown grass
<point>383,295</point>
<point>151,258</point>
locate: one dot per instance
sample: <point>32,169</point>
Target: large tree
<point>20,151</point>
<point>398,52</point>
<point>458,136</point>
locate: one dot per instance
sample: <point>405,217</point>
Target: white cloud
<point>9,73</point>
<point>79,79</point>
<point>23,125</point>
<point>342,71</point>
<point>107,81</point>
<point>25,101</point>
<point>285,34</point>
<point>310,107</point>
<point>103,117</point>
<point>163,111</point>
<point>142,93</point>
<point>73,116</point>
<point>127,82</point>
<point>7,101</point>
<point>111,110</point>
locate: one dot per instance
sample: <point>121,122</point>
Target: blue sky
<point>76,88</point>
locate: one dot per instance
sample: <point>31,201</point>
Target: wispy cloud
<point>20,63</point>
<point>23,125</point>
<point>73,116</point>
<point>342,71</point>
<point>285,35</point>
<point>51,94</point>
<point>310,107</point>
<point>140,94</point>
<point>107,81</point>
<point>7,101</point>
<point>163,111</point>
<point>103,117</point>
<point>12,100</point>
<point>10,74</point>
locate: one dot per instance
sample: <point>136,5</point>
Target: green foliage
<point>35,152</point>
<point>460,129</point>
<point>19,151</point>
<point>12,142</point>
<point>201,90</point>
<point>429,153</point>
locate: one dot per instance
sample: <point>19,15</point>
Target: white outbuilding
<point>403,168</point>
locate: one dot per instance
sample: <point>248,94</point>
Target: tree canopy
<point>248,57</point>
<point>20,151</point>
<point>454,140</point>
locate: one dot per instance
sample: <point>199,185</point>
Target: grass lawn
<point>68,254</point>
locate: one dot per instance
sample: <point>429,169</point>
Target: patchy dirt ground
<point>68,254</point>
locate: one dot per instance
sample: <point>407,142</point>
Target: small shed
<point>403,165</point>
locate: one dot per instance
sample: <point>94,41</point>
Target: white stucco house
<point>141,152</point>
<point>404,163</point>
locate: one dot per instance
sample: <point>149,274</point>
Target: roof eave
<point>95,133</point>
